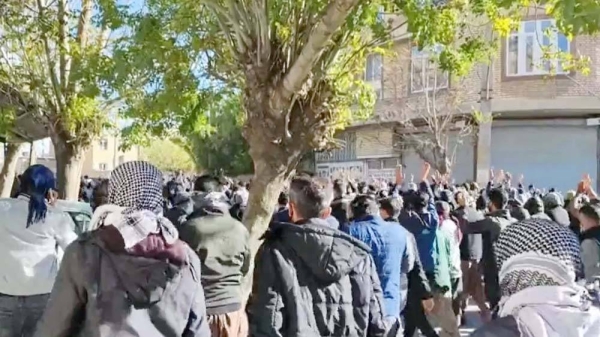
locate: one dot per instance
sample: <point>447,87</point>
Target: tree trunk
<point>69,161</point>
<point>7,177</point>
<point>273,165</point>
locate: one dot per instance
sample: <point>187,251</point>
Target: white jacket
<point>30,257</point>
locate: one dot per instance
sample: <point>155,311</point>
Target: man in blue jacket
<point>388,248</point>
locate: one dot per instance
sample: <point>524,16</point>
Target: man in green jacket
<point>441,284</point>
<point>221,242</point>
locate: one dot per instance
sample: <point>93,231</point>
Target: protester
<point>100,195</point>
<point>388,248</point>
<point>495,221</point>
<point>221,242</point>
<point>131,276</point>
<point>538,261</point>
<point>471,251</point>
<point>449,226</point>
<point>34,234</point>
<point>313,280</point>
<point>308,272</point>
<point>589,219</point>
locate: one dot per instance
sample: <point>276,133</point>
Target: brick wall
<point>550,86</point>
<point>399,103</point>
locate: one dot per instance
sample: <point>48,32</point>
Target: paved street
<point>473,321</point>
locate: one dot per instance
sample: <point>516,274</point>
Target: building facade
<point>543,120</point>
<point>102,157</point>
<point>105,155</point>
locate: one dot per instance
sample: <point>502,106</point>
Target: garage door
<point>463,167</point>
<point>548,156</point>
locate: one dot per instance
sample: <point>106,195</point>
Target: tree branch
<point>63,46</point>
<point>334,16</point>
<point>83,27</point>
<point>85,19</point>
<point>49,61</point>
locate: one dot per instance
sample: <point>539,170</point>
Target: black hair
<point>283,198</point>
<point>498,198</point>
<point>206,184</point>
<point>480,203</point>
<point>364,205</point>
<point>339,188</point>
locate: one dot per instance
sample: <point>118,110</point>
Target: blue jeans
<point>19,314</point>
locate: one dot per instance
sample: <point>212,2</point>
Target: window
<point>373,68</point>
<point>104,144</point>
<point>424,72</point>
<point>102,166</point>
<point>527,49</point>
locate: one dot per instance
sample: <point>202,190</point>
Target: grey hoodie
<point>100,293</point>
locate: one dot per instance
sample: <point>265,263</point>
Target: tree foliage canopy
<point>168,156</point>
<point>222,147</point>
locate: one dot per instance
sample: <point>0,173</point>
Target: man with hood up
<point>311,279</point>
<point>221,242</point>
<point>131,276</point>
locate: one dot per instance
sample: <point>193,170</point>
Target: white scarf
<point>553,311</point>
<point>133,225</point>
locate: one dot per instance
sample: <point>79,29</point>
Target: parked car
<point>80,212</point>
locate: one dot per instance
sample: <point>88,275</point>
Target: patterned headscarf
<point>537,252</point>
<point>135,204</point>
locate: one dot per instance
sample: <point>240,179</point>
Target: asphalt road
<point>473,321</point>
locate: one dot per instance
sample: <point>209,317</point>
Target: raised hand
<point>426,169</point>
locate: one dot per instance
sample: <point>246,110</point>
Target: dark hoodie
<point>312,280</point>
<point>153,290</point>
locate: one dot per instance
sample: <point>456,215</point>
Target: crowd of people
<point>169,256</point>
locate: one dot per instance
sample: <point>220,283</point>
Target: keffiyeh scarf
<point>135,204</point>
<point>539,261</point>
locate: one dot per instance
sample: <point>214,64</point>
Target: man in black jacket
<point>471,248</point>
<point>490,227</point>
<point>311,279</point>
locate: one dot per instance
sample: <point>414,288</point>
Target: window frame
<point>103,143</point>
<point>374,78</point>
<point>423,57</point>
<point>538,36</point>
<point>102,169</point>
